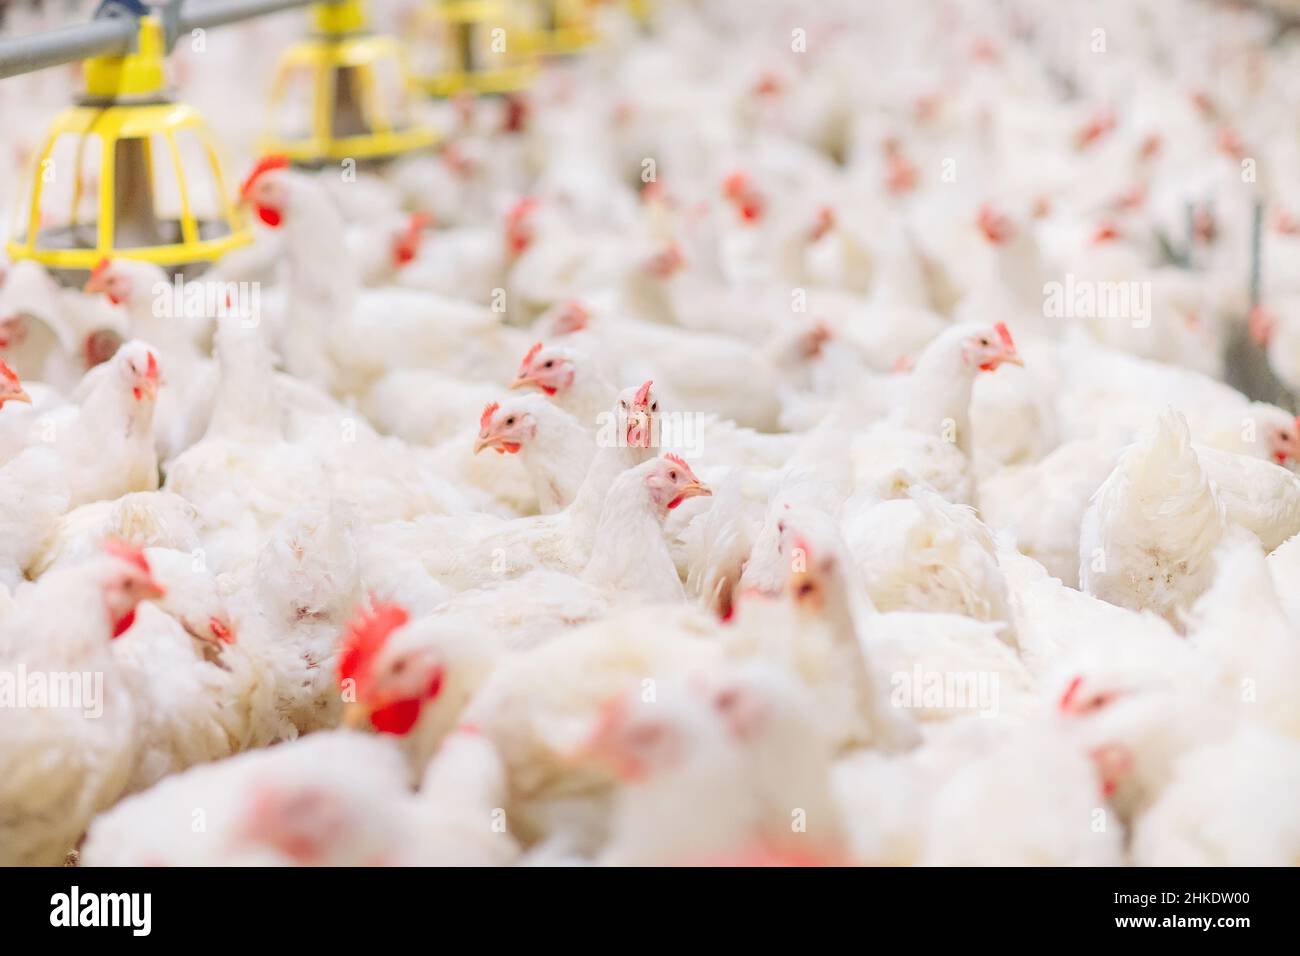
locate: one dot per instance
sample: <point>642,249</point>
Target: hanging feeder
<point>343,94</point>
<point>127,172</point>
<point>470,46</point>
<point>561,27</point>
<point>641,11</point>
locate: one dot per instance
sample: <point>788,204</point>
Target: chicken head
<point>128,581</point>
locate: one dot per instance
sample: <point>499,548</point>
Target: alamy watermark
<point>946,690</point>
<point>669,430</point>
<point>208,299</point>
<point>1094,299</point>
<point>71,690</point>
<point>133,911</point>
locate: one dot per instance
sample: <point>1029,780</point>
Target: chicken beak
<point>697,489</point>
<point>523,381</point>
<point>1012,358</point>
<point>486,441</point>
<point>153,591</point>
<point>18,396</point>
<point>693,490</point>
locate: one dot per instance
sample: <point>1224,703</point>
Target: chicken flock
<point>723,453</point>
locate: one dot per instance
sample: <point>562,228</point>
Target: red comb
<point>642,396</point>
<point>130,553</point>
<point>735,184</point>
<point>100,266</point>
<point>768,84</point>
<point>486,418</point>
<point>366,634</point>
<point>518,229</point>
<point>610,715</point>
<point>997,228</point>
<point>529,356</point>
<point>1098,125</point>
<point>151,371</point>
<point>680,463</point>
<point>1067,699</point>
<point>1004,334</point>
<point>573,318</point>
<point>264,165</point>
<point>521,210</point>
<point>824,223</point>
<point>749,202</point>
<point>1230,142</point>
<point>1106,232</point>
<point>664,263</point>
<point>8,373</point>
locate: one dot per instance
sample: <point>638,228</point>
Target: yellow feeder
<point>560,27</point>
<point>128,173</point>
<point>642,11</point>
<point>343,94</point>
<point>470,46</point>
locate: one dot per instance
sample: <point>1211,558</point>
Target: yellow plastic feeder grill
<point>128,173</point>
<point>560,27</point>
<point>642,11</point>
<point>471,46</point>
<point>343,94</point>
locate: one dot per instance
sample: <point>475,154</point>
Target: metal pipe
<point>40,50</point>
<point>216,13</point>
<point>115,35</point>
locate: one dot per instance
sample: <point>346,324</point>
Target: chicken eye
<point>510,420</point>
<point>548,363</point>
<point>672,476</point>
<point>984,341</point>
<point>622,404</point>
<point>807,588</point>
<point>399,666</point>
<point>654,407</point>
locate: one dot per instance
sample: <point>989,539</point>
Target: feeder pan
<point>343,94</point>
<point>127,173</point>
<point>560,27</point>
<point>470,46</point>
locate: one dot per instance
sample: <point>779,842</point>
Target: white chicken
<point>1147,538</point>
<point>71,748</point>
